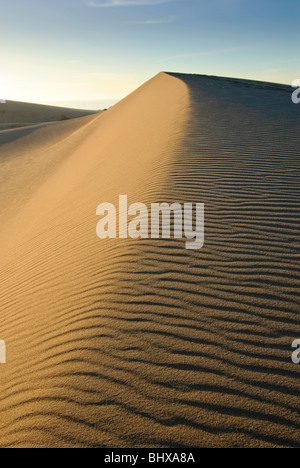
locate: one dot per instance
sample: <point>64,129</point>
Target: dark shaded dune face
<point>143,343</point>
<point>238,298</point>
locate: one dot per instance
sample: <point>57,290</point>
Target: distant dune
<point>17,114</point>
<point>123,343</point>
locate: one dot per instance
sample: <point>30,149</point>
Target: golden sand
<point>123,343</point>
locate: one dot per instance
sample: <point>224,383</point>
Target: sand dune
<point>123,343</point>
<point>19,114</point>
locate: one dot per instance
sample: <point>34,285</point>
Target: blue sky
<point>94,52</point>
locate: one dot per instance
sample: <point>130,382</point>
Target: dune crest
<point>58,282</point>
<point>123,343</point>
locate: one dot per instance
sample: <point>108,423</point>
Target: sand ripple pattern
<point>142,343</point>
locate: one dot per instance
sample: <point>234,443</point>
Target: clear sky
<point>91,53</point>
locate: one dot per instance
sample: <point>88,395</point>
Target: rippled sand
<point>123,343</point>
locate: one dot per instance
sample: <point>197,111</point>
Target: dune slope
<point>15,114</point>
<point>123,343</point>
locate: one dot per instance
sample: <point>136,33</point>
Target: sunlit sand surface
<point>123,343</point>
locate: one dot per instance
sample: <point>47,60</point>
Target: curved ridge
<point>130,343</point>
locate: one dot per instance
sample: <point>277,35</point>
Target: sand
<point>19,114</point>
<point>141,343</point>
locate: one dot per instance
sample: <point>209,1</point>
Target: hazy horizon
<point>102,104</point>
<point>100,51</point>
<point>82,104</point>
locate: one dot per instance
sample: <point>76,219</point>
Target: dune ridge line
<point>135,343</point>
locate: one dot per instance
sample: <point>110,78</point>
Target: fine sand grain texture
<point>123,343</point>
